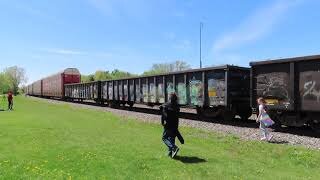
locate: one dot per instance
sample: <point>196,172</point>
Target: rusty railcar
<point>37,88</point>
<point>291,88</point>
<point>218,91</point>
<point>29,90</point>
<point>53,86</point>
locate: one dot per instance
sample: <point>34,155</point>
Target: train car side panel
<point>196,89</point>
<point>216,88</point>
<point>309,86</point>
<point>273,83</point>
<point>291,89</point>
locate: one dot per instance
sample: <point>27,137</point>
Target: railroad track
<point>189,114</point>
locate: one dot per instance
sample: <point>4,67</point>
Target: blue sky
<point>47,36</point>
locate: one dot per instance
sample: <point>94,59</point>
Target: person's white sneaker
<point>270,137</point>
<point>263,139</point>
<point>175,152</point>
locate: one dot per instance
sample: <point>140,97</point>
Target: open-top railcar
<point>291,88</point>
<point>217,91</point>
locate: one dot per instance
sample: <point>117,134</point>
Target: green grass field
<point>51,141</point>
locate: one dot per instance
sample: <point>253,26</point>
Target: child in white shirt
<point>265,132</point>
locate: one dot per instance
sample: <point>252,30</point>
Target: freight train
<point>290,86</point>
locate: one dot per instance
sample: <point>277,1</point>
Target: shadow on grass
<point>189,160</point>
<point>278,142</point>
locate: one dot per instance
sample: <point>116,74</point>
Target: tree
<point>101,75</point>
<point>181,65</point>
<point>87,78</point>
<point>117,74</point>
<point>4,83</point>
<point>167,67</point>
<point>15,76</point>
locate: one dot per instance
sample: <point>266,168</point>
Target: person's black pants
<point>10,105</point>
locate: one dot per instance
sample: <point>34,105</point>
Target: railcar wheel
<point>199,111</point>
<point>228,115</point>
<point>245,116</point>
<point>212,112</point>
<point>130,104</point>
<point>315,127</point>
<point>245,113</point>
<point>114,105</point>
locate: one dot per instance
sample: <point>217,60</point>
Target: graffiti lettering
<point>273,85</point>
<point>310,90</point>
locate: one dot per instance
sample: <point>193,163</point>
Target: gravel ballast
<point>249,131</point>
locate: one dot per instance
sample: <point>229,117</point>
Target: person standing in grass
<point>264,119</point>
<point>10,100</point>
<point>170,122</point>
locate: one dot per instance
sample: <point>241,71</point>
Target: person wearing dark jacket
<point>170,122</point>
<point>10,100</point>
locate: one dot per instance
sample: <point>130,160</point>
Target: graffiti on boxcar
<point>125,92</point>
<point>152,94</point>
<point>170,89</point>
<point>95,92</point>
<point>138,93</point>
<point>311,91</point>
<point>196,92</point>
<point>115,91</point>
<point>145,92</point>
<point>182,93</point>
<point>161,95</point>
<point>273,85</point>
<point>105,89</point>
<point>110,91</point>
<point>131,92</point>
<point>216,91</point>
<point>309,88</point>
<point>120,91</point>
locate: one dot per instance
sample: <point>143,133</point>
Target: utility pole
<point>201,25</point>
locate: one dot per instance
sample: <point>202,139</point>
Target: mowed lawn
<point>52,141</point>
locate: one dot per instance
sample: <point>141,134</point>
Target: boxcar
<point>53,86</point>
<point>222,90</point>
<point>37,88</point>
<point>29,89</point>
<point>291,88</point>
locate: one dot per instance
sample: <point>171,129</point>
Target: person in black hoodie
<point>170,122</point>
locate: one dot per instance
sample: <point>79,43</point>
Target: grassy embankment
<point>43,140</point>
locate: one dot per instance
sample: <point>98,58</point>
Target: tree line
<point>154,70</point>
<point>11,78</point>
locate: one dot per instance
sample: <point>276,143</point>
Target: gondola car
<point>83,91</point>
<point>215,91</point>
<point>291,88</point>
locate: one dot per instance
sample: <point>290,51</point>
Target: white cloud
<point>256,26</point>
<point>65,52</point>
<point>74,52</point>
